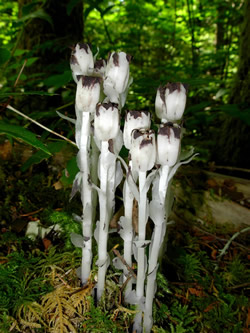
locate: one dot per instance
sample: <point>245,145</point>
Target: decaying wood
<point>226,199</point>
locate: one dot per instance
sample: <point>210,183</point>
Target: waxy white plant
<point>133,120</point>
<point>106,127</point>
<point>117,79</point>
<point>81,61</point>
<point>100,123</point>
<point>170,102</point>
<point>168,148</point>
<point>143,156</point>
<point>87,95</point>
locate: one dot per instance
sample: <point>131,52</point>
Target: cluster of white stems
<point>101,93</point>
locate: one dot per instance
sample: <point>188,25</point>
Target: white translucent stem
<point>104,221</point>
<point>142,221</point>
<point>156,243</point>
<point>128,212</point>
<point>86,197</point>
<point>163,183</point>
<point>94,174</point>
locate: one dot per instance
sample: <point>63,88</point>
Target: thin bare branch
<point>40,125</point>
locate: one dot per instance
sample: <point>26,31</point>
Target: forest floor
<point>199,288</point>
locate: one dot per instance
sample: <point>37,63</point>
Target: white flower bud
<point>117,75</point>
<point>168,144</point>
<point>81,60</point>
<point>87,93</point>
<point>170,102</point>
<point>106,121</point>
<point>134,120</point>
<point>143,149</point>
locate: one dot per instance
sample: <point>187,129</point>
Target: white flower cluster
<point>153,161</point>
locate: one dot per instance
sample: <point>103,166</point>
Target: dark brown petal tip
<point>84,46</point>
<point>100,63</point>
<point>162,91</point>
<point>90,81</point>
<point>135,114</point>
<point>111,146</point>
<point>166,130</point>
<point>145,142</point>
<point>115,59</point>
<point>129,57</point>
<point>110,105</point>
<point>172,86</point>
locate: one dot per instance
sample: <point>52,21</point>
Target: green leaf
<point>41,155</point>
<point>88,11</point>
<point>43,115</point>
<point>58,80</point>
<point>20,52</point>
<point>4,55</point>
<point>70,172</point>
<point>26,9</point>
<point>31,61</point>
<point>40,13</point>
<point>41,93</point>
<point>23,134</point>
<point>71,5</point>
<point>234,111</point>
<point>107,10</point>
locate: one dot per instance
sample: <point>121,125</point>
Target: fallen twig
<point>130,269</point>
<point>224,250</point>
<point>40,125</point>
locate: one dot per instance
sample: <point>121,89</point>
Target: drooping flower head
<point>143,149</point>
<point>116,76</point>
<point>170,102</point>
<point>81,60</point>
<point>168,144</point>
<point>107,121</point>
<point>134,120</point>
<point>87,93</point>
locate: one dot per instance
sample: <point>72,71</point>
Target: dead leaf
<point>135,216</point>
<point>5,150</point>
<point>211,183</point>
<point>214,254</point>
<point>211,306</point>
<point>197,292</point>
<point>46,243</point>
<point>116,217</point>
<point>58,185</point>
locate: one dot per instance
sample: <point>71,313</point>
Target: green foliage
<point>190,266</point>
<point>4,55</point>
<point>184,317</point>
<point>39,156</point>
<point>99,321</point>
<point>19,283</point>
<point>236,272</point>
<point>21,133</point>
